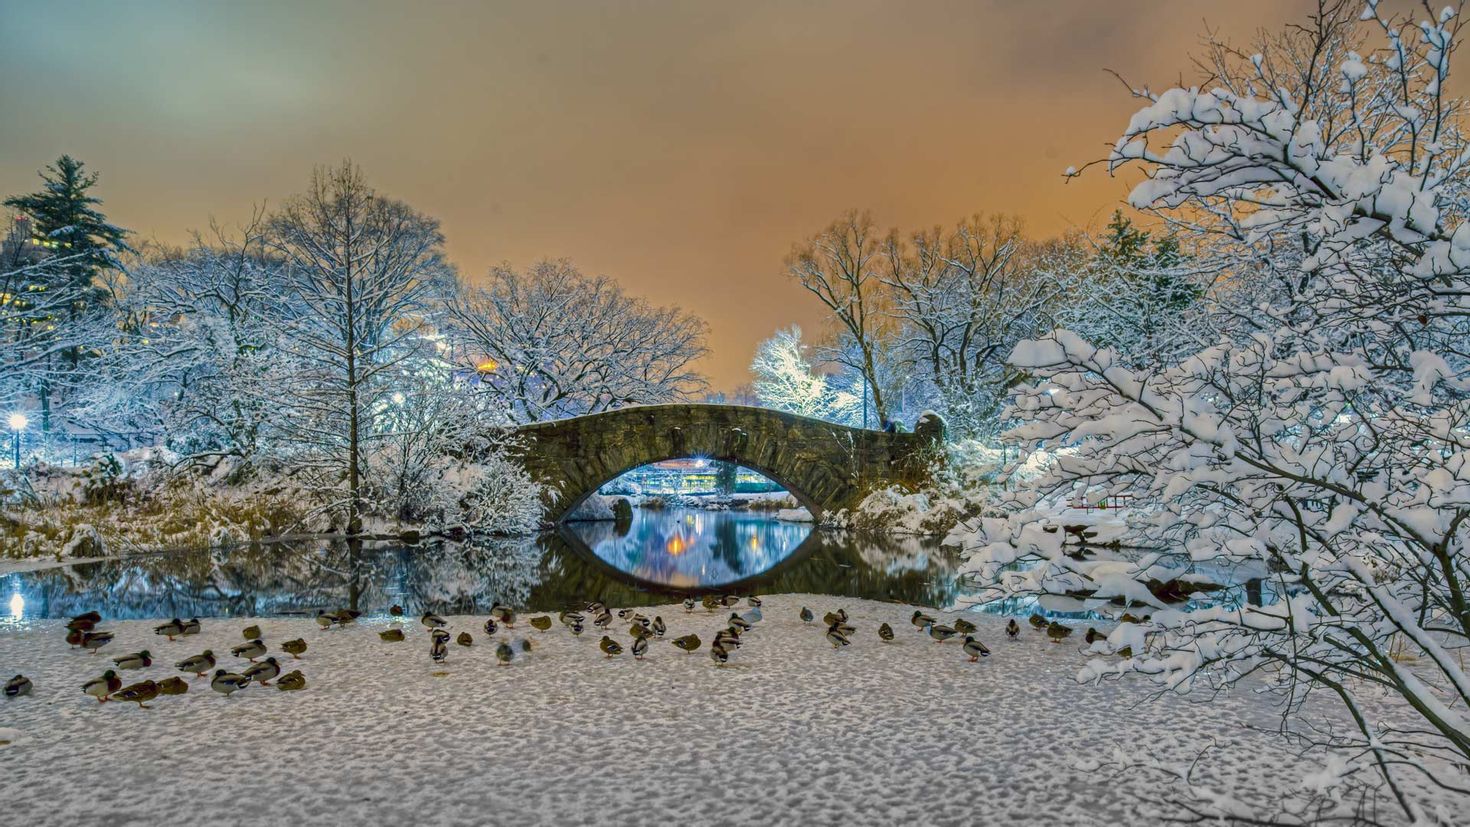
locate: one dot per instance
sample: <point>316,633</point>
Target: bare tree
<point>550,343</point>
<point>360,269</point>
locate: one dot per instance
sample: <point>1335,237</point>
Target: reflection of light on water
<point>17,606</point>
<point>755,541</point>
<point>676,545</point>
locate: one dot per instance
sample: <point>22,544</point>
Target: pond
<point>662,554</point>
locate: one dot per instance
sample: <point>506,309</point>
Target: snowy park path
<point>791,732</point>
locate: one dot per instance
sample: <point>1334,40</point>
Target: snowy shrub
<point>1322,447</point>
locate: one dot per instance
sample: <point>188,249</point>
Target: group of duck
<point>83,632</point>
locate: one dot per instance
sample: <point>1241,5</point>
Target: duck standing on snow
<point>464,639</point>
<point>325,619</point>
<point>101,687</point>
<point>576,627</point>
<point>1094,635</point>
<point>754,601</point>
<point>920,620</point>
<point>640,647</point>
<point>1037,621</point>
<point>658,626</point>
<point>228,683</point>
<point>295,648</point>
<point>719,654</point>
<point>940,632</point>
<point>138,693</point>
<point>1012,628</point>
<point>688,642</point>
<point>603,620</point>
<point>490,627</point>
<point>885,633</point>
<point>292,681</point>
<point>836,637</point>
<point>173,685</point>
<point>624,614</point>
<point>504,614</point>
<point>249,651</point>
<point>191,626</point>
<point>395,610</point>
<point>568,618</point>
<point>199,664</point>
<point>709,602</point>
<point>1057,632</point>
<point>839,616</point>
<point>806,615</point>
<point>688,605</point>
<point>739,622</point>
<point>729,600</point>
<point>541,623</point>
<point>504,653</point>
<point>137,660</point>
<point>727,639</point>
<point>975,649</point>
<point>964,627</point>
<point>95,640</point>
<point>17,686</point>
<point>394,635</point>
<point>432,621</point>
<point>439,646</point>
<point>263,672</point>
<point>251,632</point>
<point>609,646</point>
<point>172,629</point>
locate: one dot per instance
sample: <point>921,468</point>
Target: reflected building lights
<point>17,606</point>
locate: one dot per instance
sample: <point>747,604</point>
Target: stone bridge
<point>824,466</point>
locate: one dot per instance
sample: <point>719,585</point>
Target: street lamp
<point>18,423</point>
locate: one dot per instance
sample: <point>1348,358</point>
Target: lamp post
<point>18,423</point>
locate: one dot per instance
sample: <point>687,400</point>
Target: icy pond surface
<point>663,554</point>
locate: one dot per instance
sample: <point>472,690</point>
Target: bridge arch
<point>825,466</point>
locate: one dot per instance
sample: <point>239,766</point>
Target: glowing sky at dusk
<point>681,147</point>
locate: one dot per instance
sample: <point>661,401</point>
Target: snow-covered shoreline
<point>791,731</point>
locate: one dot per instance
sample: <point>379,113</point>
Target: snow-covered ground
<point>791,732</point>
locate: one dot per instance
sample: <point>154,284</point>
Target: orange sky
<point>680,147</point>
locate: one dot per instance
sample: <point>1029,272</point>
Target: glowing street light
<point>18,423</point>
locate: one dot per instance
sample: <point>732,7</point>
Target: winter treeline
<point>329,340</point>
<point>1315,444</point>
<point>925,320</point>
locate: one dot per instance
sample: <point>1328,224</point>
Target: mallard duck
<point>964,627</point>
<point>325,619</point>
<point>541,623</point>
<point>975,649</point>
<point>885,633</point>
<point>640,647</point>
<point>806,615</point>
<point>227,683</point>
<point>191,626</point>
<point>101,687</point>
<point>609,646</point>
<point>1012,628</point>
<point>18,686</point>
<point>844,628</point>
<point>1057,632</point>
<point>95,640</point>
<point>346,616</point>
<point>172,629</point>
<point>839,616</point>
<point>641,620</point>
<point>753,601</point>
<point>920,620</point>
<point>596,607</point>
<point>739,622</point>
<point>504,653</point>
<point>1036,621</point>
<point>395,610</point>
<point>464,639</point>
<point>432,621</point>
<point>490,627</point>
<point>139,693</point>
<point>199,664</point>
<point>89,618</point>
<point>727,640</point>
<point>688,643</point>
<point>249,651</point>
<point>504,614</point>
<point>74,638</point>
<point>1094,635</point>
<point>624,614</point>
<point>394,635</point>
<point>80,626</point>
<point>603,620</point>
<point>263,672</point>
<point>295,648</point>
<point>576,628</point>
<point>635,631</point>
<point>252,633</point>
<point>173,685</point>
<point>729,600</point>
<point>940,632</point>
<point>688,605</point>
<point>568,618</point>
<point>136,660</point>
<point>292,681</point>
<point>709,602</point>
<point>525,644</point>
<point>658,626</point>
<point>438,649</point>
<point>836,637</point>
<point>719,654</point>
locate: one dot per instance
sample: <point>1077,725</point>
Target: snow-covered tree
<point>1322,449</point>
<point>786,380</point>
<point>549,343</point>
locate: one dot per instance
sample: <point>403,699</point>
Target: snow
<point>794,515</point>
<point>791,732</point>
